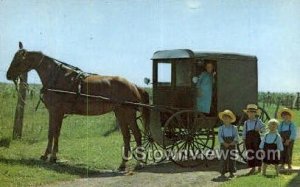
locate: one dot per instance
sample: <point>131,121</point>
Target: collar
<point>43,56</point>
<point>227,126</point>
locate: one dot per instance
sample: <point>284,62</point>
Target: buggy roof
<point>187,53</point>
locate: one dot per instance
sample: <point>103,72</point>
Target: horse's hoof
<point>139,166</point>
<point>43,157</point>
<point>122,168</point>
<point>53,160</point>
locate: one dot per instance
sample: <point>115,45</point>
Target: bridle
<point>51,81</point>
<point>18,79</point>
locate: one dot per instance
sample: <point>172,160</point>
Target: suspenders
<point>232,132</point>
<point>282,125</point>
<point>254,125</point>
<point>274,139</point>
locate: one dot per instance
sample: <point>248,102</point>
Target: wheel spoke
<point>187,137</point>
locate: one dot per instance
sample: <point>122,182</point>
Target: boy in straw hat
<point>287,130</point>
<point>228,137</point>
<point>253,127</point>
<point>271,145</point>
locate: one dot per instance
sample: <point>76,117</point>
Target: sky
<point>119,37</point>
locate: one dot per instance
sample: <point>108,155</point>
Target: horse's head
<point>20,64</point>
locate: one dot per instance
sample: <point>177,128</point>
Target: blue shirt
<point>228,130</point>
<point>204,92</point>
<point>250,125</point>
<point>284,126</point>
<point>269,138</point>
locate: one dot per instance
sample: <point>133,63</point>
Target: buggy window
<point>183,74</point>
<point>164,73</point>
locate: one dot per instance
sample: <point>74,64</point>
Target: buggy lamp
<point>146,80</point>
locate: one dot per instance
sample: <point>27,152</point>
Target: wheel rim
<point>189,141</point>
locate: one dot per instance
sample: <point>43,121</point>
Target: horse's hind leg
<point>126,139</point>
<point>138,138</point>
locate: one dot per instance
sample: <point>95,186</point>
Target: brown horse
<point>57,75</point>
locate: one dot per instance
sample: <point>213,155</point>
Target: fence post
<point>277,107</point>
<point>297,103</point>
<point>19,113</point>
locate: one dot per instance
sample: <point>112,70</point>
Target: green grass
<point>86,146</point>
<point>83,157</point>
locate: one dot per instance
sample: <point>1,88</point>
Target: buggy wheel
<point>264,117</point>
<point>188,140</point>
<point>150,151</point>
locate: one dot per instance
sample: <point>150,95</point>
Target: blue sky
<point>113,37</point>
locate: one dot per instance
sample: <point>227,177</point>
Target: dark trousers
<point>271,154</point>
<point>287,153</point>
<point>228,163</point>
<point>252,146</point>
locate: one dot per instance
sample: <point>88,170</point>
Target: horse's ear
<point>20,45</point>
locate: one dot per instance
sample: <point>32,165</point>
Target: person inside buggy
<point>205,87</point>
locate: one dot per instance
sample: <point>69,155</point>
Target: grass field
<point>87,145</point>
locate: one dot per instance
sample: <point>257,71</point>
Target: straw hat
<point>228,113</point>
<point>252,107</point>
<point>285,110</point>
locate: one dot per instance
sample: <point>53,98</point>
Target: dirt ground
<point>163,174</point>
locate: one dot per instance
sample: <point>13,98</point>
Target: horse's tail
<point>145,111</point>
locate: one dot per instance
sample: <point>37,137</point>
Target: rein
<point>17,83</point>
<point>80,75</point>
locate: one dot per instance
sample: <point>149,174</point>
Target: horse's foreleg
<point>57,122</point>
<point>50,138</point>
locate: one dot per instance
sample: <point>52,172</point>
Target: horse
<point>57,75</point>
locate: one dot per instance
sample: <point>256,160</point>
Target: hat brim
<point>287,111</point>
<point>232,116</point>
<point>258,111</point>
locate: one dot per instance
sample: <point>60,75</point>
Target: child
<point>271,145</point>
<point>287,130</point>
<point>228,137</point>
<point>251,136</point>
<point>204,85</point>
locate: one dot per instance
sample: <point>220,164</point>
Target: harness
<point>80,75</point>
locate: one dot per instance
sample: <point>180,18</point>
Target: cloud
<point>193,4</point>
